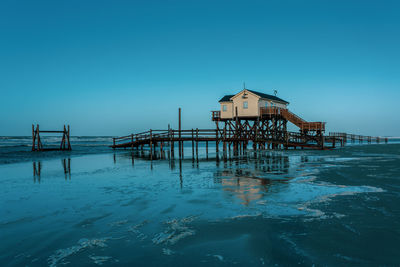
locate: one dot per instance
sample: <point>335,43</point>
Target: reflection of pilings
<point>264,160</point>
<point>37,167</point>
<point>66,163</point>
<point>180,172</point>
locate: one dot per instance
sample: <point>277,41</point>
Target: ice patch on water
<point>331,192</point>
<point>100,260</point>
<point>118,223</point>
<point>240,216</point>
<point>177,229</point>
<point>167,251</point>
<point>135,229</point>
<point>60,255</point>
<point>219,257</point>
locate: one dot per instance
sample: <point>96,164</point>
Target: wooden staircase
<point>293,118</point>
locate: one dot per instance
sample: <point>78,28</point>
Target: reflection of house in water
<point>246,188</point>
<point>252,184</point>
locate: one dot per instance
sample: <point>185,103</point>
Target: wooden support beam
<point>207,149</point>
<point>197,142</point>
<point>192,143</point>
<point>179,133</point>
<point>33,137</point>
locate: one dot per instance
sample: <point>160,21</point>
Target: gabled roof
<point>272,97</point>
<point>226,98</point>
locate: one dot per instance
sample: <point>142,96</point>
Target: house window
<point>245,105</point>
<point>224,108</point>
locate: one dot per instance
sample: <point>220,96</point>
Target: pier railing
<point>216,115</point>
<point>168,135</point>
<point>219,135</point>
<point>360,138</point>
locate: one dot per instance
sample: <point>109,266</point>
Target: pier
<point>37,144</point>
<point>265,131</point>
<point>249,117</point>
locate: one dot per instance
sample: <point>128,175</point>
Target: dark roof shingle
<point>226,98</point>
<point>272,97</point>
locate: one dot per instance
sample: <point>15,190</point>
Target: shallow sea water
<point>280,208</point>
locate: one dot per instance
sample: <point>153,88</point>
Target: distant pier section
<point>37,144</point>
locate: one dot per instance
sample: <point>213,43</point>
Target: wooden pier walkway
<point>268,130</point>
<point>161,138</point>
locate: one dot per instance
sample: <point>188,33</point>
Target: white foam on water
<point>100,260</point>
<point>118,223</point>
<point>135,229</point>
<point>167,251</point>
<point>221,258</point>
<point>177,229</point>
<point>240,216</point>
<point>60,255</point>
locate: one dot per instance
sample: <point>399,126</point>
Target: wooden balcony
<point>216,115</point>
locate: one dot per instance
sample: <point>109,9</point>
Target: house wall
<point>253,106</point>
<point>228,114</point>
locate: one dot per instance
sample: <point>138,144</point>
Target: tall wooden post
<point>172,143</point>
<point>207,149</point>
<point>322,140</point>
<point>180,134</point>
<point>69,142</point>
<point>33,137</point>
<point>224,137</point>
<point>169,142</point>
<point>151,143</point>
<point>197,142</point>
<point>192,144</point>
<point>235,146</point>
<point>216,140</point>
<point>38,137</point>
<point>64,136</point>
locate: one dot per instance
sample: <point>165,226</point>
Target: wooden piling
<point>172,143</point>
<point>180,134</point>
<point>197,142</point>
<point>207,149</point>
<point>192,143</point>
<point>33,137</point>
<point>151,142</point>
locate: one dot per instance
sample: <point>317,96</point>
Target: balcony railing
<point>216,115</point>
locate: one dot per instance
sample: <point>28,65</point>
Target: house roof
<point>272,97</point>
<point>227,98</point>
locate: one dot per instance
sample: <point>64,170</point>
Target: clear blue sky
<point>116,67</point>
